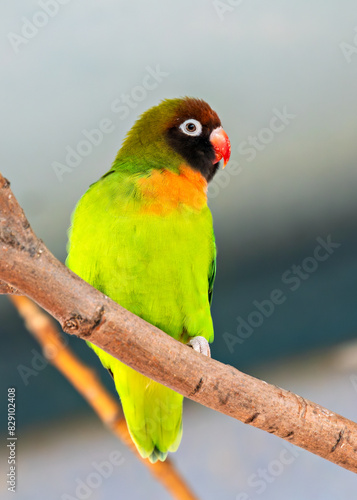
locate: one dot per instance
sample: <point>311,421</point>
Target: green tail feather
<point>152,411</point>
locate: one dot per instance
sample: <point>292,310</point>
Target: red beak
<point>221,144</point>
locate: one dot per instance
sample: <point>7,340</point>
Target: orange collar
<point>164,191</point>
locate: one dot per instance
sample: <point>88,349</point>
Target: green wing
<point>212,275</point>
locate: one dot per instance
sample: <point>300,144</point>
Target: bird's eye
<point>191,127</point>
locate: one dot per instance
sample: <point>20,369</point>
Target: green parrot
<point>143,235</point>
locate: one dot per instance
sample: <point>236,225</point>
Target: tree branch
<point>6,289</point>
<point>27,265</point>
<point>89,386</point>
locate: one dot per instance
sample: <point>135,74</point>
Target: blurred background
<point>282,77</point>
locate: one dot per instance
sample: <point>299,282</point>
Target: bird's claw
<point>200,345</point>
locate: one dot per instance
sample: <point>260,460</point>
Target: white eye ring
<point>191,127</point>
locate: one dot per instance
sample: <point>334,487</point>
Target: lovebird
<point>143,235</point>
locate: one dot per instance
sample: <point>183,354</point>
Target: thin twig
<point>89,386</point>
<point>26,264</point>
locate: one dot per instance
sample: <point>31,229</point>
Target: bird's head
<point>177,131</point>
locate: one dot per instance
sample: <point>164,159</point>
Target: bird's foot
<point>200,345</point>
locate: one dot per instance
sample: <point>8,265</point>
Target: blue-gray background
<point>251,61</point>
